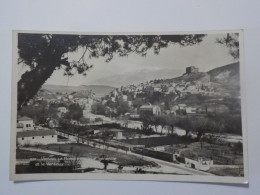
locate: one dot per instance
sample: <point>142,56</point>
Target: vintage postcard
<point>161,106</point>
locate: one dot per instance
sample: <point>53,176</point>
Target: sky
<point>171,61</point>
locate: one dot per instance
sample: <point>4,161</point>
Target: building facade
<point>26,123</point>
<point>36,137</point>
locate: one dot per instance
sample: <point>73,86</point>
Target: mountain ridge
<point>99,90</point>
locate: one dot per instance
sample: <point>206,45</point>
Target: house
<point>19,127</point>
<point>62,109</point>
<point>191,88</point>
<point>174,108</point>
<point>70,97</point>
<point>129,103</point>
<point>36,137</point>
<point>199,164</point>
<point>87,107</point>
<point>182,106</point>
<point>157,89</point>
<point>113,99</point>
<point>90,101</point>
<point>152,109</point>
<point>134,116</point>
<point>104,102</point>
<point>171,89</point>
<point>96,132</point>
<point>114,93</point>
<point>190,110</point>
<point>25,123</point>
<point>124,97</point>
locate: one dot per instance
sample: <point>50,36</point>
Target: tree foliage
<point>231,41</point>
<point>75,112</point>
<point>122,107</point>
<point>98,108</point>
<point>44,53</point>
<point>38,113</point>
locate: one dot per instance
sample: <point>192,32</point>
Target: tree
<point>98,108</point>
<point>122,107</point>
<point>138,102</point>
<point>231,41</point>
<point>171,121</point>
<point>44,53</point>
<point>193,124</point>
<point>214,128</point>
<point>83,120</point>
<point>39,114</point>
<point>105,162</point>
<point>163,122</point>
<point>184,123</point>
<point>106,135</point>
<point>75,112</point>
<point>147,120</point>
<point>155,121</point>
<point>199,125</point>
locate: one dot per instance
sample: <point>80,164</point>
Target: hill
<point>226,79</point>
<point>81,91</point>
<point>225,73</point>
<point>196,76</point>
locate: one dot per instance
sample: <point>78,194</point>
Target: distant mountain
<point>137,77</point>
<point>99,90</point>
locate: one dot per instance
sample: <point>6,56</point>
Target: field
<point>25,154</point>
<point>95,153</point>
<point>235,172</point>
<point>220,154</point>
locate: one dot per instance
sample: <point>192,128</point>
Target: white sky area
<point>206,56</point>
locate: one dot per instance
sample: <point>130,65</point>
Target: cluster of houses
<point>178,87</point>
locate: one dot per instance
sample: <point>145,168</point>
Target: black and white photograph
<point>164,106</point>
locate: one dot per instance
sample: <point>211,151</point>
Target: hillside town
<point>177,121</point>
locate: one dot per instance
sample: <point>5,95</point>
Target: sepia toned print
<point>129,106</point>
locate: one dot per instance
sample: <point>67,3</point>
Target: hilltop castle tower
<point>191,69</point>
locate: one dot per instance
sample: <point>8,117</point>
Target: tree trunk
<point>162,129</point>
<point>32,81</point>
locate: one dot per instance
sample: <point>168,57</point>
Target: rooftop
<point>24,118</point>
<point>35,133</point>
<point>146,106</point>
